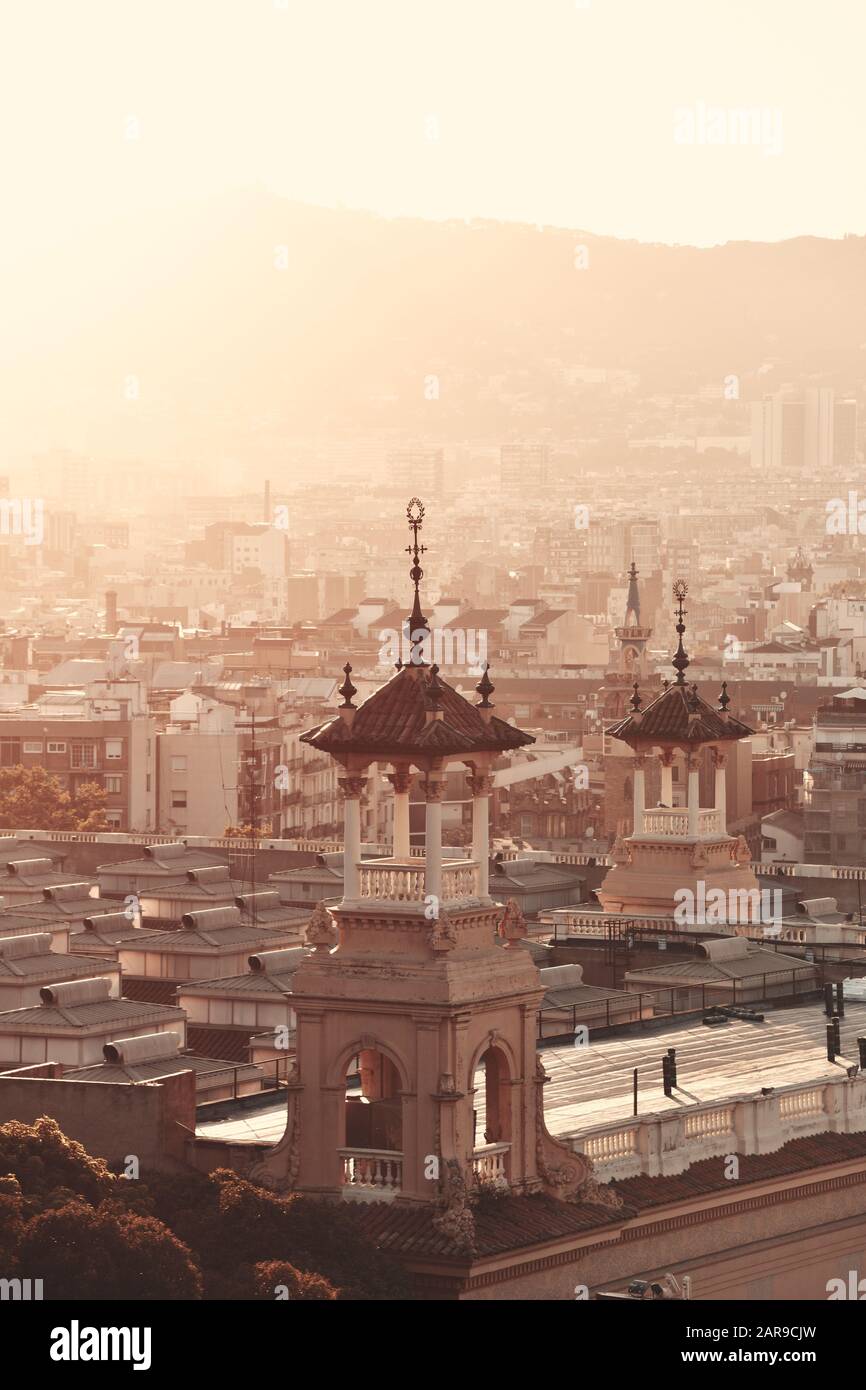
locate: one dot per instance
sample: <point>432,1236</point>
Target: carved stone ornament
<point>620,853</point>
<point>512,925</point>
<point>455,1219</point>
<point>442,935</point>
<point>321,930</point>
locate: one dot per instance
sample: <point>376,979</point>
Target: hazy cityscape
<point>433,669</point>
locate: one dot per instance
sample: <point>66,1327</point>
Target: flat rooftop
<point>264,1126</point>
<point>592,1085</point>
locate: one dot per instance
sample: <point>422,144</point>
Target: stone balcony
<point>402,881</point>
<point>376,1175</point>
<point>371,1175</point>
<point>490,1164</point>
<point>672,823</point>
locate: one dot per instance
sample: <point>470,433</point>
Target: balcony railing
<point>371,1175</point>
<point>490,1163</point>
<point>399,881</point>
<point>667,1143</point>
<point>672,823</point>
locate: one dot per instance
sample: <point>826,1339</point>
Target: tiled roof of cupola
<point>395,719</point>
<point>416,711</point>
<point>679,714</point>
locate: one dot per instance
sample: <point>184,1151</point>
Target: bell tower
<point>416,1077</point>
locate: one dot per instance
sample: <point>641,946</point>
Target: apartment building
<point>217,767</point>
<point>835,810</point>
<point>104,735</point>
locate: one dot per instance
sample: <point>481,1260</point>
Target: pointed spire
<point>632,607</point>
<point>419,628</point>
<point>724,698</point>
<point>680,660</point>
<point>636,700</point>
<point>347,689</point>
<point>485,688</point>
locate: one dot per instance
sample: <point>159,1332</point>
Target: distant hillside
<point>223,343</point>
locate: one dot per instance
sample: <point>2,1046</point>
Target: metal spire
<point>419,628</point>
<point>680,660</point>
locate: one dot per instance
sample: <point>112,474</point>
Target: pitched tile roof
<point>508,1223</point>
<point>679,714</point>
<point>394,720</point>
<point>799,1156</point>
<point>515,1223</point>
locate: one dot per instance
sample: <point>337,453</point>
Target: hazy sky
<point>534,110</point>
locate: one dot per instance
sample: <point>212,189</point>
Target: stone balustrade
<point>672,822</point>
<point>371,1175</point>
<point>667,1143</point>
<point>490,1163</point>
<point>398,881</point>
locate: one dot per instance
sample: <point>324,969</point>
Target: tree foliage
<point>31,799</point>
<point>87,1233</point>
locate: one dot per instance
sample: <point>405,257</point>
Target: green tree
<point>31,799</point>
<point>49,1166</point>
<point>107,1253</point>
<point>271,1275</point>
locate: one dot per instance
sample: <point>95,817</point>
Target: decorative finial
<point>347,689</point>
<point>418,626</point>
<point>724,698</point>
<point>434,686</point>
<point>636,700</point>
<point>485,688</point>
<point>680,661</point>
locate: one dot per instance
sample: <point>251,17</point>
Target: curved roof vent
<point>277,962</point>
<point>817,907</point>
<point>173,849</point>
<point>29,867</point>
<point>265,898</point>
<point>214,873</point>
<point>107,921</point>
<point>151,1047</point>
<point>66,892</point>
<point>210,917</point>
<point>72,992</point>
<point>37,944</point>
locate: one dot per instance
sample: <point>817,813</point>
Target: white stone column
<point>639,797</point>
<point>351,786</point>
<point>480,784</point>
<point>433,789</point>
<point>401,843</point>
<point>720,762</point>
<point>693,765</point>
<point>667,788</point>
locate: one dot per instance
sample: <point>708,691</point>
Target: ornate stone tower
<point>675,848</point>
<point>408,987</point>
<point>613,697</point>
<point>800,570</point>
